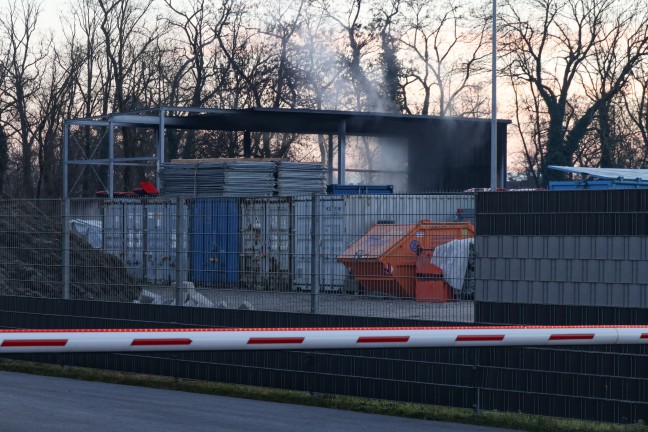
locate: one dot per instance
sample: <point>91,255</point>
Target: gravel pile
<point>31,258</point>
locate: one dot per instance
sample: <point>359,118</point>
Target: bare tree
<point>448,44</point>
<point>549,45</point>
<point>23,68</point>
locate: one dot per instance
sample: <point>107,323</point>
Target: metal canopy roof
<point>303,121</point>
<point>607,173</point>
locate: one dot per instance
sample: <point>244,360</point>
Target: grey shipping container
<point>265,246</point>
<point>331,221</point>
<point>143,234</point>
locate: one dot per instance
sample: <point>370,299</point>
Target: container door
<point>215,231</point>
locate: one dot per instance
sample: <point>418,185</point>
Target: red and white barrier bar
<point>216,339</point>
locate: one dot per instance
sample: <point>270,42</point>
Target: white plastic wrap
<point>452,258</point>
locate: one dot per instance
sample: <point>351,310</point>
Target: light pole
<point>494,161</point>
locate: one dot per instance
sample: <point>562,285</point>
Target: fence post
<point>181,268</point>
<point>66,215</point>
<point>66,248</point>
<point>315,253</point>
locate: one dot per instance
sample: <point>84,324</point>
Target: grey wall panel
<point>584,294</point>
<point>619,295</point>
<point>523,247</point>
<point>626,271</point>
<point>538,247</point>
<point>568,293</point>
<point>530,269</point>
<point>600,247</point>
<point>554,292</point>
<point>545,270</point>
<point>610,271</point>
<point>515,269</point>
<point>507,292</point>
<point>619,247</point>
<point>561,270</point>
<point>569,248</point>
<point>554,246</point>
<point>500,269</point>
<point>522,292</point>
<point>565,270</point>
<point>602,294</point>
<point>585,246</point>
<point>493,247</point>
<point>507,247</point>
<point>592,273</point>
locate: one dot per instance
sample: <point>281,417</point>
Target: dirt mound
<point>31,240</point>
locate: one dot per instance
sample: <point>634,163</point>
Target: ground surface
<point>39,403</point>
<point>329,304</point>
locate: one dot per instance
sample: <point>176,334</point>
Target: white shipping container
<point>143,234</point>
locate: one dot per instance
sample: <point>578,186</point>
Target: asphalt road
<point>38,403</point>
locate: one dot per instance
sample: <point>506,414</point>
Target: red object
<point>145,189</point>
<point>479,338</point>
<point>148,188</point>
<point>34,342</point>
<point>272,341</point>
<point>148,342</point>
<point>571,336</point>
<point>382,339</point>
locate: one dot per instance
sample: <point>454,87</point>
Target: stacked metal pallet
<point>217,178</point>
<point>295,178</point>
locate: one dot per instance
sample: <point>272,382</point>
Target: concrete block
<point>246,305</point>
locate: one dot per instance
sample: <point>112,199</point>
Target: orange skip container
<point>384,259</point>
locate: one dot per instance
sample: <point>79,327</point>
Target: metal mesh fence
<point>400,256</point>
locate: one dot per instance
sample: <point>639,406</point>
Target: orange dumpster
<point>384,259</point>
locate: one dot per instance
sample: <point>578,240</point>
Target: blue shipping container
<point>214,239</point>
<point>335,189</point>
<point>597,185</point>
